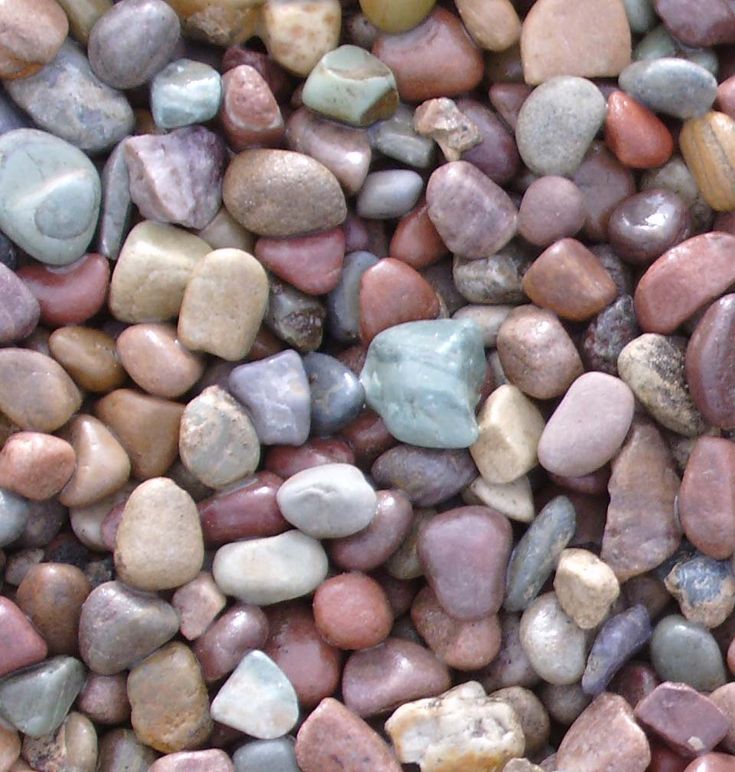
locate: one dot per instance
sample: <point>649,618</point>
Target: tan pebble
<point>9,747</point>
<point>89,356</point>
<point>445,123</point>
<point>531,713</point>
<point>224,232</point>
<point>32,34</point>
<point>73,746</point>
<point>585,586</point>
<point>222,24</point>
<point>198,603</point>
<point>493,24</point>
<point>513,499</point>
<point>36,465</point>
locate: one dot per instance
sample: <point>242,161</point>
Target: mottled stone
<point>552,208</point>
<point>185,92</point>
<point>704,588</point>
<point>116,204</point>
<point>20,309</point>
<point>34,32</point>
<point>493,280</point>
<point>711,26</point>
<point>397,138</point>
<point>337,395</point>
<point>250,114</point>
<point>441,120</point>
<point>295,317</point>
<point>36,465</point>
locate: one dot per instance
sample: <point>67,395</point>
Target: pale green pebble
<point>185,92</point>
<point>396,138</point>
<point>50,196</point>
<point>424,378</point>
<point>658,43</point>
<point>641,15</point>
<point>351,85</point>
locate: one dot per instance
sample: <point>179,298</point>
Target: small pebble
<point>185,92</point>
<point>585,587</point>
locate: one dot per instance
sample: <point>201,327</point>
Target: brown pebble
<point>198,603</point>
<point>36,465</point>
<point>638,138</point>
<point>712,762</point>
<point>416,241</point>
<point>89,356</point>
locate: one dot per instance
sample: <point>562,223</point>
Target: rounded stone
<point>637,137</point>
<point>89,356</point>
<point>104,699</point>
<point>277,755</point>
<point>585,587</point>
<point>388,194</point>
<point>20,309</point>
<point>36,465</point>
<point>33,33</point>
<point>396,17</point>
<point>337,396</point>
<point>65,190</point>
<point>552,208</point>
<point>73,745</point>
<point>14,512</point>
<point>185,92</point>
<point>212,760</point>
<point>282,193</point>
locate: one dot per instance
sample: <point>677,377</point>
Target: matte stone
<point>67,99</point>
<point>710,26</point>
<point>294,317</point>
<point>185,92</point>
<point>494,26</point>
<point>704,588</point>
<point>89,356</point>
<point>21,643</point>
<point>120,748</point>
<point>104,699</point>
<point>442,120</point>
<point>396,137</point>
<point>250,114</point>
<point>493,280</point>
<point>388,17</point>
<point>116,204</point>
<point>388,194</point>
<point>275,755</point>
<point>34,33</point>
<point>212,760</point>
<point>14,511</point>
<point>36,465</point>
<point>337,395</point>
<point>73,745</point>
<point>552,208</point>
<point>585,586</point>
<point>20,309</point>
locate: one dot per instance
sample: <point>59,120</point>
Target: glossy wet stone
<point>295,317</point>
<point>89,356</point>
<point>168,700</point>
<point>34,34</point>
<point>669,85</point>
<point>704,588</point>
<point>409,362</point>
<point>617,640</point>
<point>286,461</point>
<point>67,99</point>
<point>636,136</point>
<point>337,395</point>
<point>474,217</point>
<point>148,27</point>
<point>276,393</point>
<point>653,366</point>
<point>377,680</point>
<point>712,762</point>
<point>282,193</point>
<point>185,92</point>
<point>686,652</point>
<point>36,700</point>
<point>396,137</point>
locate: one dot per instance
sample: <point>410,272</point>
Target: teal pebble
<point>424,379</point>
<point>185,92</point>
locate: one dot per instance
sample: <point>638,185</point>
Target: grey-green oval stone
<point>185,92</point>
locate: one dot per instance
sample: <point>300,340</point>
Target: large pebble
<point>282,193</point>
<point>557,124</point>
<point>159,541</point>
<point>271,569</point>
<point>569,444</point>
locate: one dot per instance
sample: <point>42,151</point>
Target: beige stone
<point>224,304</point>
<point>219,22</point>
<point>585,586</point>
<point>493,24</point>
<point>531,713</point>
<point>152,271</point>
<point>159,543</point>
<point>9,747</point>
<point>441,120</point>
<point>36,465</point>
<point>89,356</point>
<point>224,232</point>
<point>513,499</point>
<point>72,747</point>
<point>510,429</point>
<point>86,522</point>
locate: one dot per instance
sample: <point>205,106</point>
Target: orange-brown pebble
<point>352,612</point>
<point>416,241</point>
<point>89,356</point>
<point>637,137</point>
<point>32,33</point>
<point>36,465</point>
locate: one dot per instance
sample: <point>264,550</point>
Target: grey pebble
<point>337,396</point>
<point>343,302</point>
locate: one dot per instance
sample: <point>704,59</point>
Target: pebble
<point>474,217</point>
<point>295,318</point>
<point>213,760</point>
<point>67,99</point>
<point>653,366</point>
<point>14,512</point>
<point>510,428</point>
<point>396,137</point>
<point>159,542</point>
<point>712,762</point>
<point>250,114</point>
<point>686,652</point>
<point>568,445</point>
<point>513,499</point>
<point>621,745</point>
<point>557,124</point>
<point>271,707</point>
<point>282,193</point>
<point>393,18</point>
<point>619,638</point>
<point>493,280</point>
<point>552,208</point>
<point>36,465</point>
<point>151,274</point>
<point>74,746</point>
<point>464,553</point>
<point>22,644</point>
<point>704,588</point>
<point>659,43</point>
<point>687,721</point>
<point>708,149</point>
<point>637,137</point>
<point>585,587</point>
<point>377,680</point>
<point>588,39</point>
<point>270,569</point>
<point>671,86</point>
<point>707,364</point>
<point>564,703</point>
<point>35,32</point>
<point>337,396</point>
<point>437,368</point>
<point>217,440</point>
<point>570,280</point>
<point>713,25</point>
<point>494,26</point>
<point>484,733</point>
<point>148,27</point>
<point>120,747</point>
<point>185,92</point>
<point>536,353</point>
<point>334,738</point>
<point>554,644</point>
<point>704,504</point>
<point>277,755</point>
<point>89,356</point>
<point>537,552</point>
<point>168,700</point>
<point>177,177</point>
<point>488,318</point>
<point>389,194</point>
<point>146,427</point>
<point>496,154</point>
<point>104,699</point>
<point>37,699</point>
<point>276,393</point>
<point>723,699</point>
<point>417,58</point>
<point>117,207</point>
<point>51,230</point>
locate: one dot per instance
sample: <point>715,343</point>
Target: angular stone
<point>446,364</point>
<point>21,644</point>
<point>34,34</point>
<point>485,733</point>
<point>36,465</point>
<point>588,427</point>
<point>397,138</point>
<point>441,120</point>
<point>704,588</point>
<point>257,699</point>
<point>585,586</point>
<point>185,92</point>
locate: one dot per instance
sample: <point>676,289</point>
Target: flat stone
<point>22,644</point>
<point>437,367</point>
<point>686,652</point>
<point>557,124</point>
<point>148,27</point>
<point>117,206</point>
<point>704,588</point>
<point>474,217</point>
<point>277,755</point>
<point>282,193</point>
<point>66,98</point>
<point>484,732</point>
<point>53,230</point>
<point>168,700</point>
<point>119,626</point>
<point>36,465</point>
<point>471,586</point>
<point>585,586</point>
<point>397,138</point>
<point>271,569</point>
<point>20,309</point>
<point>589,39</point>
<point>35,32</point>
<point>185,92</point>
<point>569,444</point>
<point>620,746</point>
<point>536,554</point>
<point>618,639</point>
<point>641,530</point>
<point>177,177</point>
<point>271,708</point>
<point>37,700</point>
<point>159,541</point>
